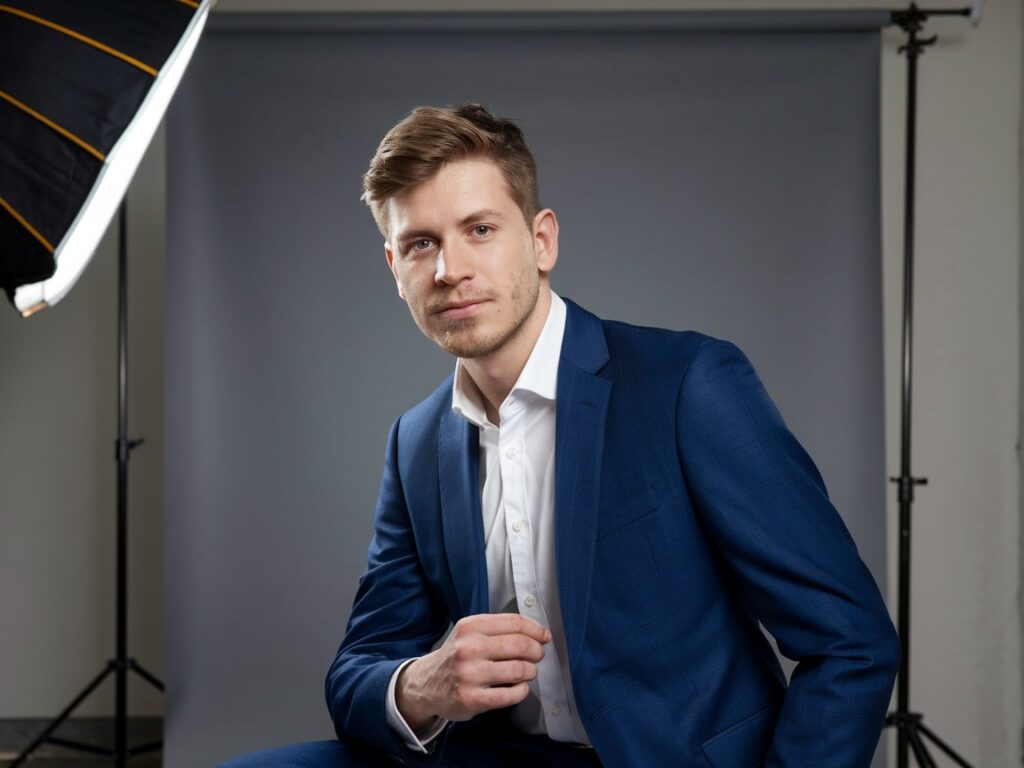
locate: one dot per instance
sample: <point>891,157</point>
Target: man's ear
<point>545,239</point>
<point>394,269</point>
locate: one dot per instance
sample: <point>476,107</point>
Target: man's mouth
<point>454,310</point>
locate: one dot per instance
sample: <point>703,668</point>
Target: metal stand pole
<point>121,665</point>
<point>910,728</point>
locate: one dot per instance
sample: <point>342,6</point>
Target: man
<point>599,513</point>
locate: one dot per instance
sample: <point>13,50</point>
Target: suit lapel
<point>582,405</point>
<point>457,457</point>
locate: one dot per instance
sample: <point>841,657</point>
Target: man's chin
<point>467,344</point>
<point>465,349</point>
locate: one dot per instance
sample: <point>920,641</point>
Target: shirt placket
<point>518,525</point>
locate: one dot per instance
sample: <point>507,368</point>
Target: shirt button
<point>517,526</point>
<point>511,453</point>
<point>529,601</point>
<point>556,710</point>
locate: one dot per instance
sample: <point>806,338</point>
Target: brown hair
<point>415,149</point>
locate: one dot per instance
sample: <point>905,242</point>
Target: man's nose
<point>454,264</point>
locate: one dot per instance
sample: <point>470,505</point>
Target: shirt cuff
<point>412,740</point>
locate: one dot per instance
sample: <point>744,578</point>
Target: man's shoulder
<point>652,347</point>
<point>626,332</point>
<point>426,414</point>
<point>649,338</point>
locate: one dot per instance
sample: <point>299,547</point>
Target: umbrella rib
<point>21,220</point>
<point>58,128</point>
<point>80,37</point>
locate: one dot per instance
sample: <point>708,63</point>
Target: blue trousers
<point>466,748</point>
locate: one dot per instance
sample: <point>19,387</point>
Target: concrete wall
<point>57,382</point>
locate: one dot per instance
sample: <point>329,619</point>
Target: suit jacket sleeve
<point>764,506</point>
<point>394,618</point>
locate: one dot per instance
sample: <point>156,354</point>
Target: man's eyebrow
<point>483,213</point>
<point>413,234</point>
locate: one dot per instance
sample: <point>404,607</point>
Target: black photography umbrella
<point>84,85</point>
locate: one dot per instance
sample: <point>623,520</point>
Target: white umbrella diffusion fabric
<point>83,87</point>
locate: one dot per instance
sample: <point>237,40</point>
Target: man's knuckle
<point>462,650</point>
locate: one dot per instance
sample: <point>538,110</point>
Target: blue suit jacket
<point>685,512</point>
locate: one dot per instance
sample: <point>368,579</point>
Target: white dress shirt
<point>517,500</point>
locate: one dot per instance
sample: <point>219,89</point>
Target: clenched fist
<point>486,662</point>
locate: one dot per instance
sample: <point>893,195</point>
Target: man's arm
<point>485,662</point>
<point>394,618</point>
<point>765,507</point>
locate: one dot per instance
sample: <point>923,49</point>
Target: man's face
<point>466,262</point>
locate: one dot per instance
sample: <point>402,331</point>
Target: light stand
<point>122,664</point>
<point>910,727</point>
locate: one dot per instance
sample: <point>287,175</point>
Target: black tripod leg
<point>141,749</point>
<point>60,718</point>
<point>920,751</point>
<point>146,675</point>
<point>943,746</point>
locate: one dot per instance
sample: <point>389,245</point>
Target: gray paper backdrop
<point>705,176</point>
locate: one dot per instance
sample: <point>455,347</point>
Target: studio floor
<point>78,762</point>
<point>15,735</point>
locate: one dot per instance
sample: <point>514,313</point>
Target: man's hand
<point>486,662</point>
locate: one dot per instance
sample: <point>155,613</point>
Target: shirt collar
<point>539,375</point>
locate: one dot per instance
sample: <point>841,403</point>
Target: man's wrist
<point>421,739</point>
<point>409,705</point>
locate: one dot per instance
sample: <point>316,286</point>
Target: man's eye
<point>421,245</point>
<point>481,230</point>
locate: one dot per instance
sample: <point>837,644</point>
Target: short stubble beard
<point>452,339</point>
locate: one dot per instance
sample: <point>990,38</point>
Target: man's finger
<point>509,624</point>
<point>501,647</point>
<point>501,696</point>
<point>509,672</point>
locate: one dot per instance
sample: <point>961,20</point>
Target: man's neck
<point>496,374</point>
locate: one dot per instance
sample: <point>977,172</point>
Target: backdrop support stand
<point>122,664</point>
<point>911,731</point>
